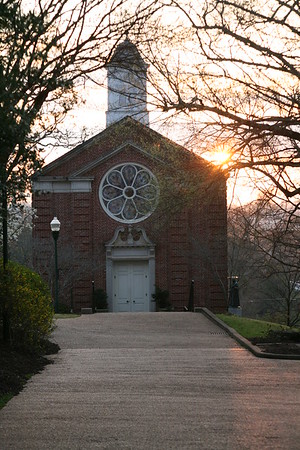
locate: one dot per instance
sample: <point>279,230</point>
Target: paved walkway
<point>154,381</point>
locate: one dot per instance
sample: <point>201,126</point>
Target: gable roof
<point>114,152</point>
<point>112,140</point>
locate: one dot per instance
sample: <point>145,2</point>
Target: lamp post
<point>55,227</point>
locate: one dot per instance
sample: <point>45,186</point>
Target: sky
<point>88,118</point>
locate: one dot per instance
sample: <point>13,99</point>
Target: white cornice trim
<point>61,185</point>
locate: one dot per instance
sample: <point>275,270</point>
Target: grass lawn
<point>66,316</point>
<point>250,328</point>
<point>5,398</point>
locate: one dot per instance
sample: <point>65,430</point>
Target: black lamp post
<point>55,227</point>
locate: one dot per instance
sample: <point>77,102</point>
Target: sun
<point>220,156</point>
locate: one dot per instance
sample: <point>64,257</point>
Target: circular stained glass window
<point>129,193</point>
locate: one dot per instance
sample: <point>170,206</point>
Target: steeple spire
<point>126,80</point>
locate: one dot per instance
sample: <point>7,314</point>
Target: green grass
<point>250,328</point>
<point>5,398</point>
<point>66,316</point>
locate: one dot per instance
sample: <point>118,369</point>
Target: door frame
<point>130,244</point>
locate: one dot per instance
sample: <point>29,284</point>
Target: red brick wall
<point>189,245</point>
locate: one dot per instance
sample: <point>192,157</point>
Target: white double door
<point>131,286</point>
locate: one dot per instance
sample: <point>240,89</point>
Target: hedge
<point>26,299</point>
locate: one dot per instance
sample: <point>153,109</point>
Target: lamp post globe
<point>55,228</point>
<point>55,225</point>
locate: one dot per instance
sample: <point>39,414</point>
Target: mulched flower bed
<point>280,348</point>
<point>17,366</point>
<point>280,342</point>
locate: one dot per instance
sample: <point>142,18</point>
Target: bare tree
<point>72,266</point>
<point>47,50</point>
<point>264,254</point>
<point>233,68</point>
<point>19,233</point>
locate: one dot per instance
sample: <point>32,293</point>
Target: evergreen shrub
<point>162,298</point>
<point>26,299</point>
<point>63,308</point>
<point>100,299</point>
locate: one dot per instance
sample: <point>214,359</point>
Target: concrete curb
<point>243,341</point>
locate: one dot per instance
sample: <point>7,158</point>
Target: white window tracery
<point>128,193</point>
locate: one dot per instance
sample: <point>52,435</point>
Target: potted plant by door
<point>161,298</point>
<point>100,300</point>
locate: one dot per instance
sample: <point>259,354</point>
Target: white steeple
<point>126,81</point>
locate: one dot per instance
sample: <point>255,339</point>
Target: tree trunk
<point>288,313</point>
<point>5,315</point>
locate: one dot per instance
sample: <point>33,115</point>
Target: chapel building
<point>138,212</point>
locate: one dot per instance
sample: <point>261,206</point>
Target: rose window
<point>128,193</point>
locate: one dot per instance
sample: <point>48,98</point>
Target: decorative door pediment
<point>129,237</point>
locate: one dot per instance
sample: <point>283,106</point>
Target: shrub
<point>27,300</point>
<point>100,299</point>
<point>63,308</point>
<point>162,298</point>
